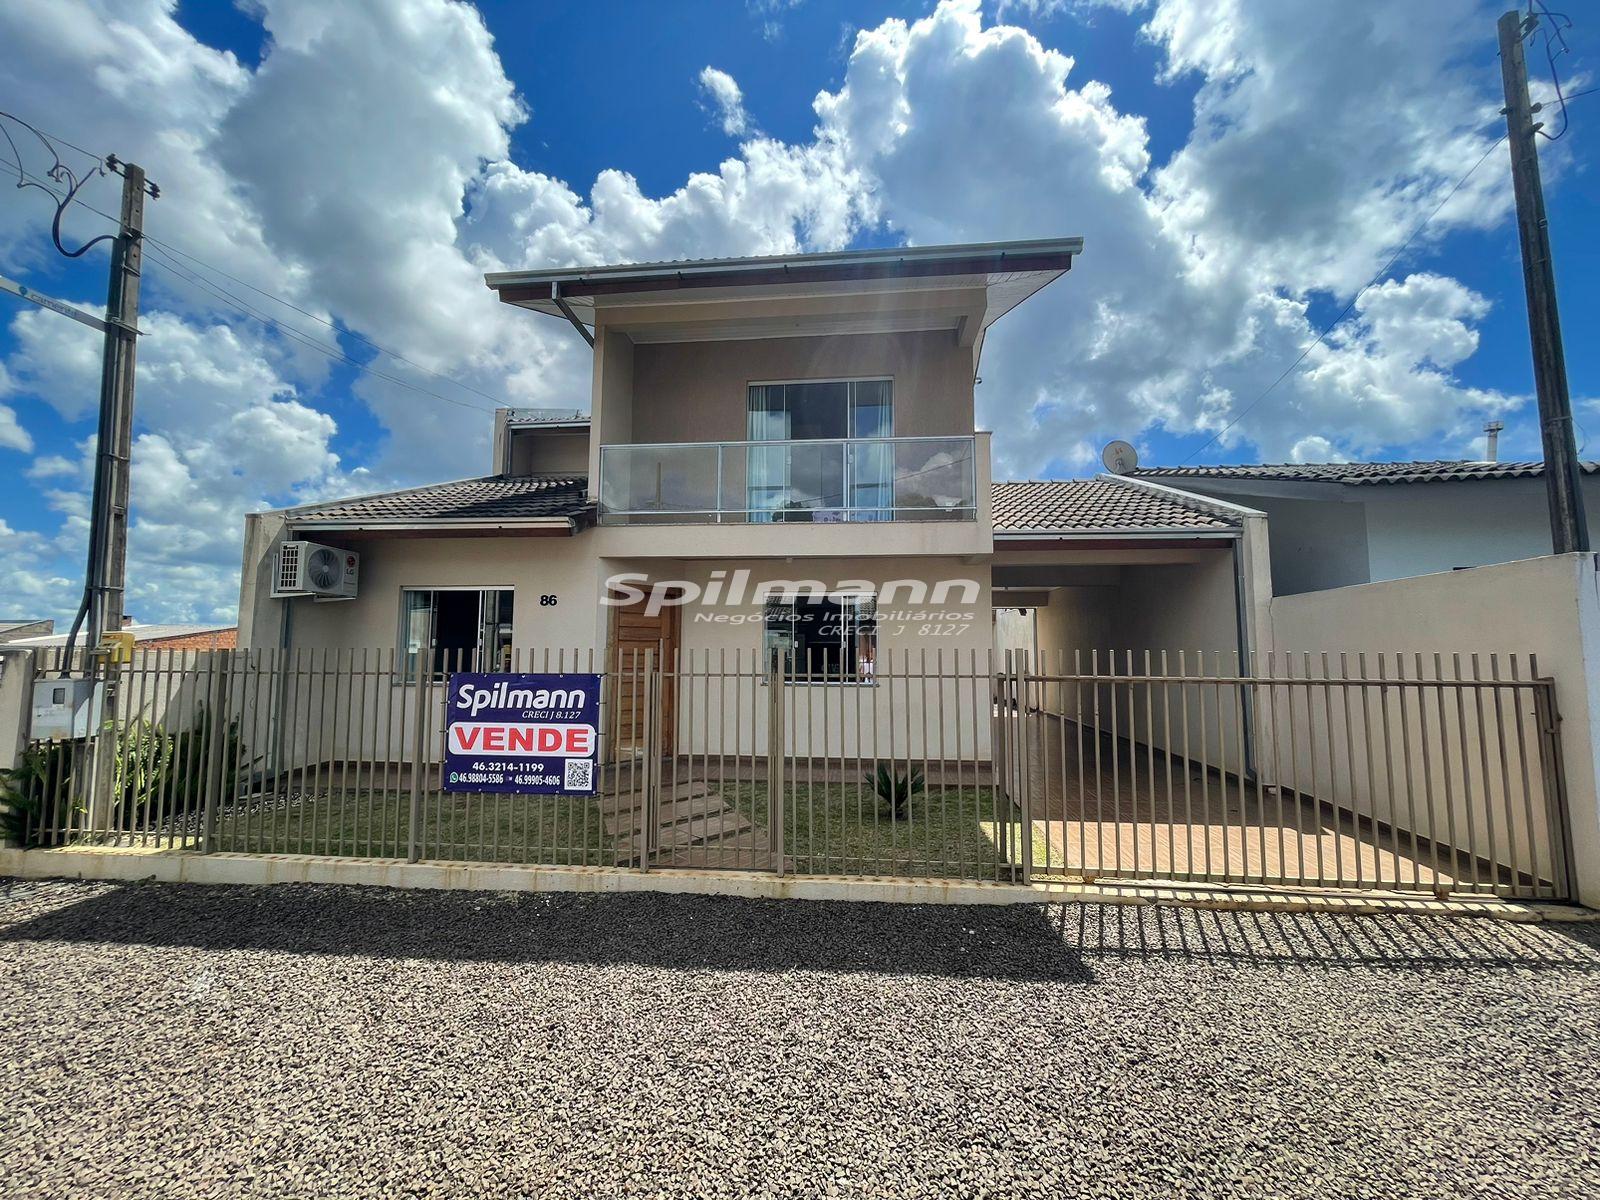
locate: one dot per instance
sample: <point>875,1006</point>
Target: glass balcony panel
<point>810,481</point>
<point>739,471</point>
<point>934,479</point>
<point>667,484</point>
<point>813,489</point>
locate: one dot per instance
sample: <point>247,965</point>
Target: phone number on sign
<point>502,776</point>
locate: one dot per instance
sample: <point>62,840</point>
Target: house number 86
<point>547,600</point>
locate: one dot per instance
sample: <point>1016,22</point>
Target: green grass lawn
<point>843,828</point>
<point>548,830</point>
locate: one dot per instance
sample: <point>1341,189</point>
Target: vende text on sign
<point>522,733</point>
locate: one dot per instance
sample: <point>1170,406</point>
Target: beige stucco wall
<point>952,636</point>
<point>1076,621</point>
<point>1174,613</point>
<point>530,566</point>
<point>333,636</point>
<point>697,391</point>
<point>355,640</point>
<point>1549,607</point>
<point>610,397</point>
<point>544,453</point>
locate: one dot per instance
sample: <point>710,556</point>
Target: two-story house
<point>780,457</point>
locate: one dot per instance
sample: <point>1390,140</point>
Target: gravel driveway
<point>164,1040</point>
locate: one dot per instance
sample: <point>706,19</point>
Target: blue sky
<point>1236,183</point>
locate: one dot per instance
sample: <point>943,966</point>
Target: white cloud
<point>219,432</point>
<point>1323,133</point>
<point>12,435</point>
<point>723,92</point>
<point>770,13</point>
<point>1192,293</point>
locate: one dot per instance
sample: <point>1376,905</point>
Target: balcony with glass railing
<point>816,481</point>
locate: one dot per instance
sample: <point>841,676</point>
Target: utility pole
<point>1569,529</point>
<point>108,529</point>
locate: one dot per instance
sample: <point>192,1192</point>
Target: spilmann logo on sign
<point>506,694</point>
<point>522,733</point>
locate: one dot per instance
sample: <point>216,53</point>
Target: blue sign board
<point>522,733</point>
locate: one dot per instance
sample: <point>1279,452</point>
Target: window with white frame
<point>454,629</point>
<point>823,639</point>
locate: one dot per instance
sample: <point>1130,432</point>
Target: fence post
<point>775,785</point>
<point>1025,768</point>
<point>652,744</point>
<point>101,754</point>
<point>216,748</point>
<point>1558,815</point>
<point>418,758</point>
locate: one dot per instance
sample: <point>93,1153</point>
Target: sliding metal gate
<point>1396,772</point>
<point>1402,773</point>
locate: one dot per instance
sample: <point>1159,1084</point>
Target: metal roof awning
<point>1006,273</point>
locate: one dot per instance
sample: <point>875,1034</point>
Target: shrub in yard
<point>156,767</point>
<point>23,789</point>
<point>895,789</point>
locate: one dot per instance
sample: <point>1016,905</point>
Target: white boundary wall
<point>1549,607</point>
<point>16,703</point>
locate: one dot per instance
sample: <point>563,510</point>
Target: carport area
<point>1153,731</point>
<point>1104,809</point>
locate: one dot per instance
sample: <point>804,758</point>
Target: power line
<point>54,137</point>
<point>333,325</point>
<point>1350,307</point>
<point>58,173</point>
<point>1552,36</point>
<point>298,335</point>
<point>289,331</point>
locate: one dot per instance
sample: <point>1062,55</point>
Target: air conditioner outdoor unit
<point>307,569</point>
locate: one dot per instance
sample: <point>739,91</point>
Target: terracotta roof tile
<point>1096,506</point>
<point>490,498</point>
<point>1362,473</point>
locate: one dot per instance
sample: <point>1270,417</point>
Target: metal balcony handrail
<point>926,437</point>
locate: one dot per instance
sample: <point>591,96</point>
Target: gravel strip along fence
<point>172,1040</point>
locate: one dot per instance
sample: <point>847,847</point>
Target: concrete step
<point>703,830</point>
<point>629,801</point>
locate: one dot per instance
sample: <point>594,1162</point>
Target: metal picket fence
<point>1394,772</point>
<point>1389,772</point>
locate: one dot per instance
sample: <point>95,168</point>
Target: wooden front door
<point>633,632</point>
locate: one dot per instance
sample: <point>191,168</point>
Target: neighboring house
<point>757,425</point>
<point>1336,524</point>
<point>154,637</point>
<point>10,631</point>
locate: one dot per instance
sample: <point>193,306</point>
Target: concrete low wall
<point>1547,607</point>
<point>258,870</point>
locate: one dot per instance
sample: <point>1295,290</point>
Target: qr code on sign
<point>579,775</point>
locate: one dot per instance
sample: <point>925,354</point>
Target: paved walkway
<point>696,828</point>
<point>1129,818</point>
<point>181,1041</point>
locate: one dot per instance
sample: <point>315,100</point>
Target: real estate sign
<point>522,733</point>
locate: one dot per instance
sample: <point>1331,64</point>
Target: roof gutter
<point>997,251</point>
<point>1166,533</point>
<point>441,525</point>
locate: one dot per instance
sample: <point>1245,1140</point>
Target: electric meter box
<point>66,708</point>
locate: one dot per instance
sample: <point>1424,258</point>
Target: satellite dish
<point>1119,457</point>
